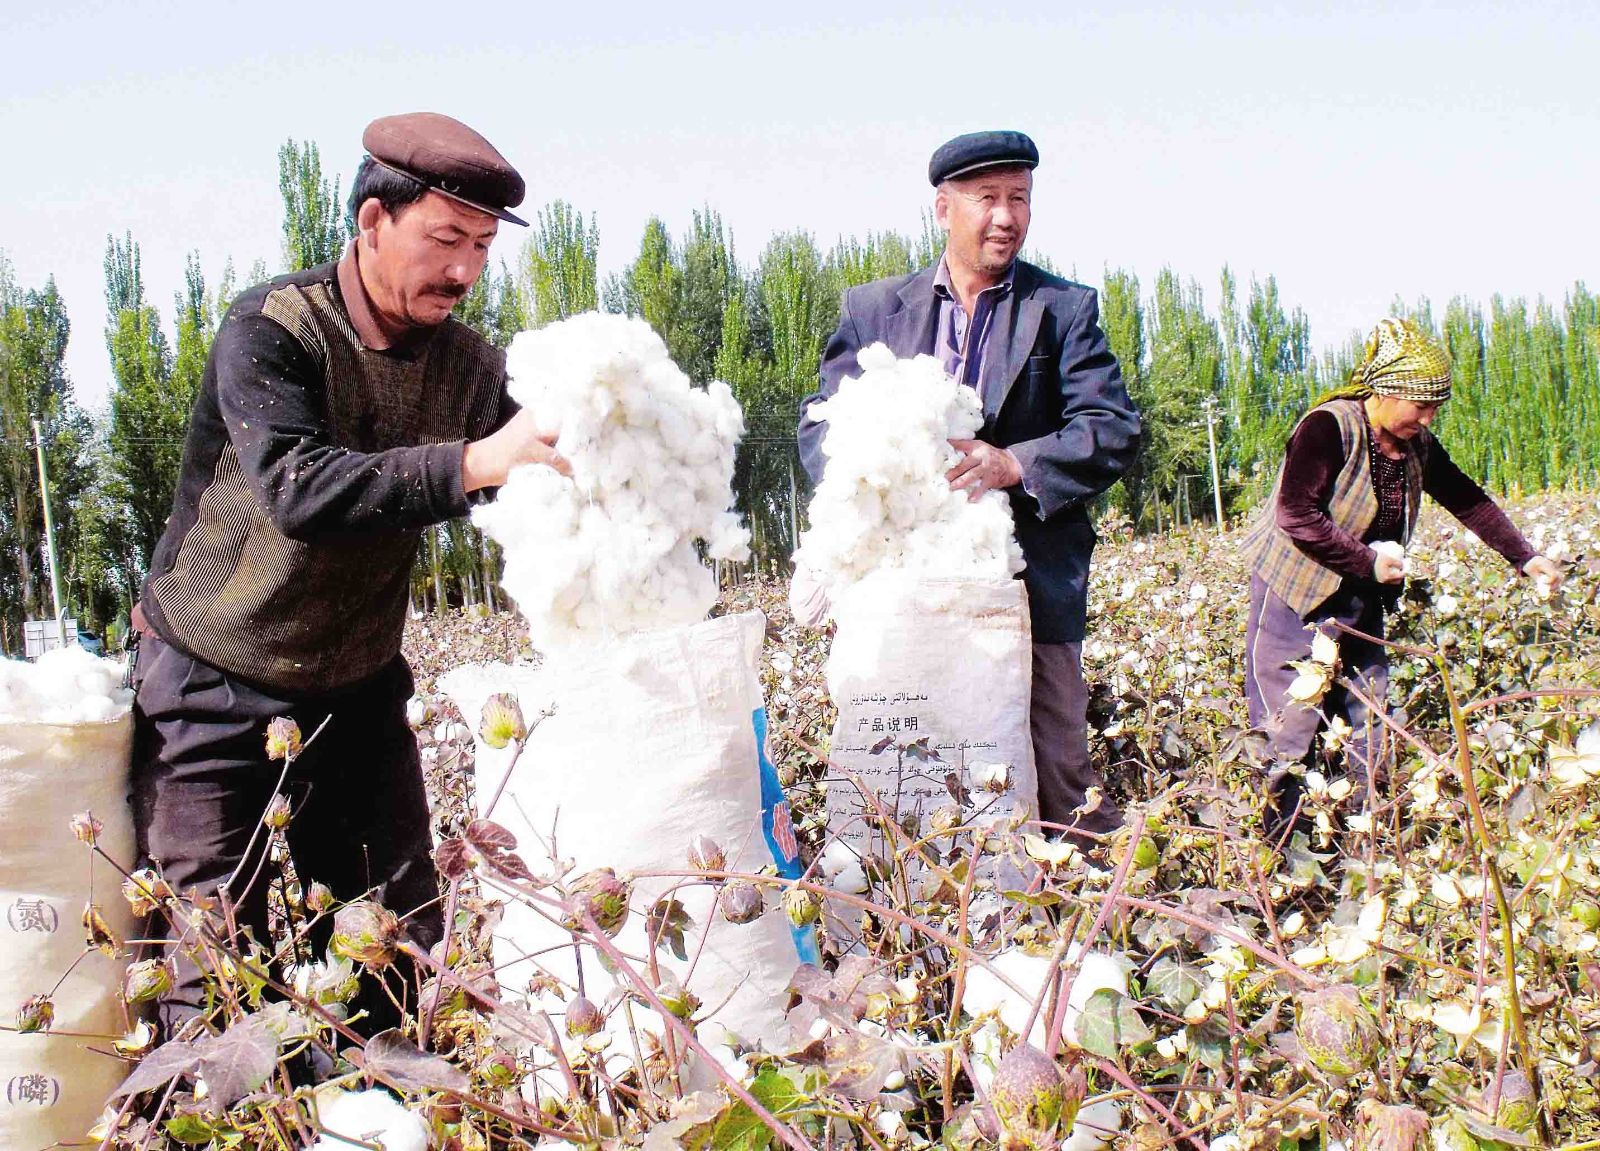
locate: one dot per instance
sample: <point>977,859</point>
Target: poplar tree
<point>314,227</point>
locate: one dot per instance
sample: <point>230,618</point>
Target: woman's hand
<point>1390,569</point>
<point>1546,572</point>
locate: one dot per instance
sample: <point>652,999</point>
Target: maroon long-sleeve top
<point>1313,461</point>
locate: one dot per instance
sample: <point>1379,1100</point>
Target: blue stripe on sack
<point>777,826</point>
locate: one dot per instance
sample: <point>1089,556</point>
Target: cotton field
<point>1360,988</point>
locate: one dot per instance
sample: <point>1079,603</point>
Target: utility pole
<point>50,538</point>
<point>1211,439</point>
<point>794,509</point>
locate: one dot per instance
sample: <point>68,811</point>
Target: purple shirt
<point>961,341</point>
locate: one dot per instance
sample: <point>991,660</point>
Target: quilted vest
<point>1300,581</point>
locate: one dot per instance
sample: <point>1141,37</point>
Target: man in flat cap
<point>1058,428</point>
<point>343,411</point>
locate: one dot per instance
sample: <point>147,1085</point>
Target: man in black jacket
<point>1058,428</point>
<point>343,411</point>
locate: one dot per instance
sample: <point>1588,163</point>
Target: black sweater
<point>312,465</point>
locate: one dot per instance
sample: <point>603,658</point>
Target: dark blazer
<point>1056,401</point>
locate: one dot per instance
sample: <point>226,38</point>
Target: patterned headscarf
<point>1404,363</point>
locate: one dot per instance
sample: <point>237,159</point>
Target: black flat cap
<point>978,150</point>
<point>448,157</point>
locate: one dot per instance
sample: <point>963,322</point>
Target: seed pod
<point>801,906</point>
<point>1029,1094</point>
<point>278,813</point>
<point>677,998</point>
<point>583,1018</point>
<point>319,898</point>
<point>706,855</point>
<point>1518,1107</point>
<point>86,828</point>
<point>741,902</point>
<point>501,720</point>
<point>603,897</point>
<point>145,891</point>
<point>1336,1031</point>
<point>146,980</point>
<point>1392,1128</point>
<point>36,1014</point>
<point>365,932</point>
<point>283,738</point>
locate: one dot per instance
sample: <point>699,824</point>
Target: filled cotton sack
<point>66,732</point>
<point>650,741</point>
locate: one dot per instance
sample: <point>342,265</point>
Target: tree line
<point>1526,413</point>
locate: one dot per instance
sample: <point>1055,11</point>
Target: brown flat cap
<point>448,157</point>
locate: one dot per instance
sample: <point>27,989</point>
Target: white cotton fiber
<point>370,1117</point>
<point>66,686</point>
<point>612,549</point>
<point>884,502</point>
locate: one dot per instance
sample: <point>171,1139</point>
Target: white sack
<point>53,1087</point>
<point>946,660</point>
<point>651,743</point>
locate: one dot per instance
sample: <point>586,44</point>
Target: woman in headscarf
<point>1327,547</point>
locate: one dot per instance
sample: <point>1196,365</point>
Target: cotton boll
<point>370,1117</point>
<point>1095,1127</point>
<point>64,686</point>
<point>611,549</point>
<point>884,502</point>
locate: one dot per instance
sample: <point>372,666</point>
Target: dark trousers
<point>202,782</point>
<point>1275,635</point>
<point>1060,722</point>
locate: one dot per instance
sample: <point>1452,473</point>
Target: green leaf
<point>192,1128</point>
<point>1108,1021</point>
<point>777,1092</point>
<point>1175,984</point>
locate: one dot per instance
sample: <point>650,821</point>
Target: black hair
<point>375,181</point>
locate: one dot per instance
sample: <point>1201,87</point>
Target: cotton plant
<point>612,549</point>
<point>884,502</point>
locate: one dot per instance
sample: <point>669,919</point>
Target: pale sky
<point>1355,151</point>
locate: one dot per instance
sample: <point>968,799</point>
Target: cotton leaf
<point>238,1061</point>
<point>391,1057</point>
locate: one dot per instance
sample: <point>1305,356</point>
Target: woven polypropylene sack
<point>650,742</point>
<point>53,1085</point>
<point>933,680</point>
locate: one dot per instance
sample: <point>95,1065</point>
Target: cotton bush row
<point>65,686</point>
<point>884,501</point>
<point>612,549</point>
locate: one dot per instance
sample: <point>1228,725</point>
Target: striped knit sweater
<point>311,468</point>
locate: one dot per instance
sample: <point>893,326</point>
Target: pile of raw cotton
<point>884,502</point>
<point>612,549</point>
<point>65,686</point>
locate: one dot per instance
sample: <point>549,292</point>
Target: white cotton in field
<point>365,1118</point>
<point>66,686</point>
<point>612,549</point>
<point>884,502</point>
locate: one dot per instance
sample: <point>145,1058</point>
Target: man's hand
<point>1388,568</point>
<point>1545,572</point>
<point>983,468</point>
<point>487,462</point>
